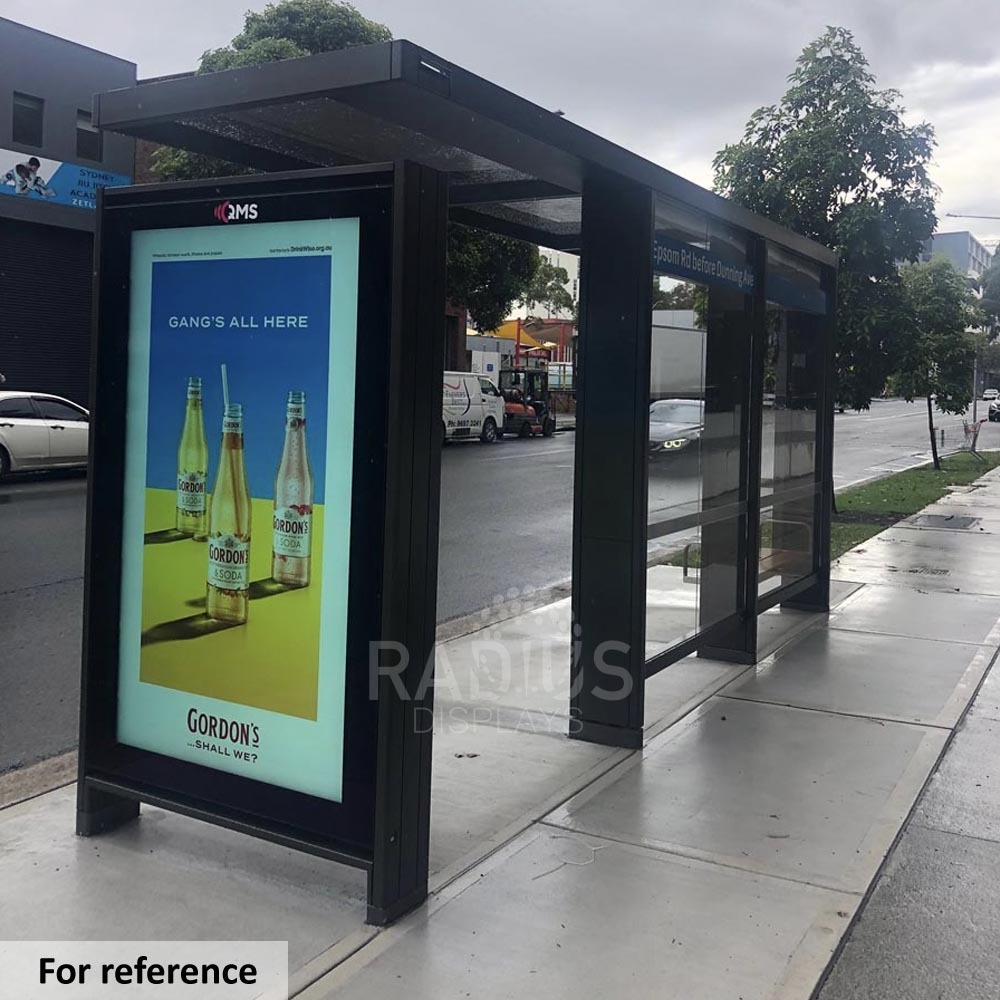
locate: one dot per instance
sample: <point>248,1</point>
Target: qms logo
<point>228,212</point>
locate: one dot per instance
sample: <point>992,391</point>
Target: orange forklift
<point>526,402</point>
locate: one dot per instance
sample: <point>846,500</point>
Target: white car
<point>41,431</point>
<point>991,394</point>
<point>472,407</point>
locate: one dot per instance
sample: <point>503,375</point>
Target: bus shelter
<point>731,395</point>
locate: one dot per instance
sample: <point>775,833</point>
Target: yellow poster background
<point>270,662</point>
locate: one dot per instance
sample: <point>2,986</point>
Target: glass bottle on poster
<point>291,549</point>
<point>228,594</point>
<point>192,467</point>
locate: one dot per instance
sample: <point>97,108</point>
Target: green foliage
<point>311,25</point>
<point>835,161</point>
<point>990,302</point>
<point>548,289</point>
<point>286,30</point>
<point>686,295</point>
<point>257,53</point>
<point>681,296</point>
<point>938,357</point>
<point>488,273</point>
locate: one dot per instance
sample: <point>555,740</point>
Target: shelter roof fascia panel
<point>159,101</point>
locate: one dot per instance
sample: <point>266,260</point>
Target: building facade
<point>52,163</point>
<point>968,255</point>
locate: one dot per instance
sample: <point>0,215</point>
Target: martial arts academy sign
<point>32,177</point>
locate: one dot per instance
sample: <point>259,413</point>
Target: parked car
<point>994,411</point>
<point>472,406</point>
<point>990,394</point>
<point>40,431</point>
<point>674,424</point>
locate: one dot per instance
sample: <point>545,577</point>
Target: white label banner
<point>168,970</point>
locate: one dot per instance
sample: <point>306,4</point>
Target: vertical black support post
<point>817,597</point>
<point>398,880</point>
<point>99,811</point>
<point>609,500</point>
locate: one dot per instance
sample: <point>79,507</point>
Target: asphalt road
<point>506,529</point>
<point>42,523</point>
<point>506,509</point>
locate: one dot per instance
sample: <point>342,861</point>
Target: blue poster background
<point>263,362</point>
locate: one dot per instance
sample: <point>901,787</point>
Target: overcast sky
<point>672,79</point>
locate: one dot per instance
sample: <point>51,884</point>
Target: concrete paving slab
<point>987,703</point>
<point>564,917</point>
<point>800,794</point>
<point>515,671</point>
<point>780,625</point>
<point>840,590</point>
<point>987,515</point>
<point>947,616</point>
<point>166,878</point>
<point>930,927</point>
<point>487,779</point>
<point>552,621</point>
<point>522,672</point>
<point>886,677</point>
<point>682,687</point>
<point>918,558</point>
<point>979,494</point>
<point>964,795</point>
<point>671,605</point>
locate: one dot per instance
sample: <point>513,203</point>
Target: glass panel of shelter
<point>796,322</point>
<point>699,363</point>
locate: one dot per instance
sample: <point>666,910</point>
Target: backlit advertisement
<point>236,528</point>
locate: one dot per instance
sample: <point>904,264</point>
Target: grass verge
<point>866,510</point>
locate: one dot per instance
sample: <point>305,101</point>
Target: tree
<point>835,161</point>
<point>486,273</point>
<point>990,302</point>
<point>681,296</point>
<point>286,30</point>
<point>937,362</point>
<point>548,289</point>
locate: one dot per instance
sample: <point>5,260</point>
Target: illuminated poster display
<point>237,500</point>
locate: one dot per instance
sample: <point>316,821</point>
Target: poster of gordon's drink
<point>238,496</point>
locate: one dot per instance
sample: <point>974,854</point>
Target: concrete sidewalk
<point>726,859</point>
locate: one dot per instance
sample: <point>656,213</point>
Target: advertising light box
<point>237,508</point>
<point>262,515</point>
<point>237,505</point>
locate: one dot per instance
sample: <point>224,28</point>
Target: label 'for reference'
<point>292,531</point>
<point>229,562</point>
<point>191,492</point>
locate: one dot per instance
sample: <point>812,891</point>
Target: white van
<point>472,407</point>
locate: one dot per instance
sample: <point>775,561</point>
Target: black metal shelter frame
<point>514,168</point>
